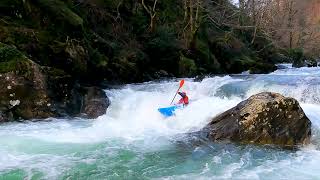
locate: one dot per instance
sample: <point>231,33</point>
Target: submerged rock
<point>265,118</point>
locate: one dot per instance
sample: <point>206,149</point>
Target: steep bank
<point>86,42</point>
<point>114,41</point>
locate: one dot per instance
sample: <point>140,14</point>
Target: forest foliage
<point>140,40</point>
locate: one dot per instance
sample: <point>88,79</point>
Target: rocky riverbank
<point>31,91</point>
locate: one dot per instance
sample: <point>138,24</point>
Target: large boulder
<point>265,118</point>
<point>22,88</point>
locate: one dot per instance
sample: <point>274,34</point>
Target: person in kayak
<point>184,98</point>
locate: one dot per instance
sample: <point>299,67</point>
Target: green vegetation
<point>113,40</point>
<point>187,67</point>
<point>12,60</point>
<point>8,53</point>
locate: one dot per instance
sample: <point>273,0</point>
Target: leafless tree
<point>151,10</point>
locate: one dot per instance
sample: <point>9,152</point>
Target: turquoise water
<point>133,141</point>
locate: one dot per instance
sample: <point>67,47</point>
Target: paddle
<point>180,86</point>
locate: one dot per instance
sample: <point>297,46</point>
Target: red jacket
<point>184,100</point>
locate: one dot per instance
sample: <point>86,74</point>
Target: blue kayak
<point>169,111</point>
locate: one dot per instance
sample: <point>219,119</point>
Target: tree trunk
<point>185,10</point>
<point>191,16</point>
<point>290,24</point>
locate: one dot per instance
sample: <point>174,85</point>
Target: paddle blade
<point>181,83</point>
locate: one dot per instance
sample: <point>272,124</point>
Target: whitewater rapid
<point>133,141</point>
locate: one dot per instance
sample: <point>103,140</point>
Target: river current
<point>133,141</point>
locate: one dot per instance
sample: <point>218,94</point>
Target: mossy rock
<point>22,91</point>
<point>12,60</point>
<point>9,53</point>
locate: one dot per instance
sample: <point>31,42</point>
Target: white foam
<point>133,117</point>
<point>298,71</point>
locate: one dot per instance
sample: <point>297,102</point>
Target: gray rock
<point>265,118</point>
<point>95,102</point>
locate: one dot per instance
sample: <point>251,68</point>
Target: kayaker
<point>184,98</point>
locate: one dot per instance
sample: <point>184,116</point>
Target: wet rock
<point>161,74</point>
<point>2,117</point>
<point>281,66</point>
<point>31,91</point>
<point>95,102</point>
<point>265,118</point>
<point>73,99</point>
<point>311,62</point>
<point>23,93</point>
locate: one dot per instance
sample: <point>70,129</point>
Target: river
<point>133,141</point>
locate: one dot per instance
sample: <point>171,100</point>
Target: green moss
<point>8,53</point>
<point>20,67</point>
<point>13,60</point>
<point>99,60</point>
<point>7,66</point>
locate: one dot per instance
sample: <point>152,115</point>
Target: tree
<point>151,10</point>
<point>290,23</point>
